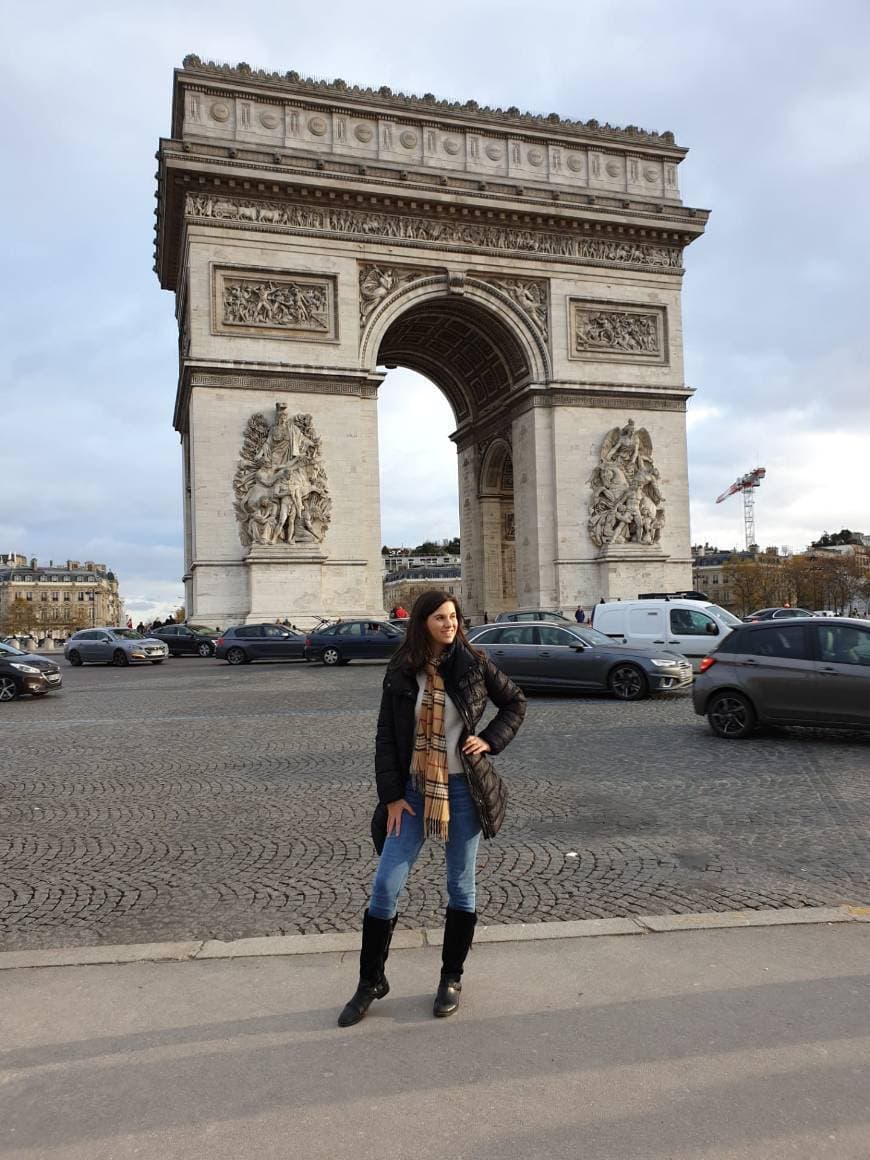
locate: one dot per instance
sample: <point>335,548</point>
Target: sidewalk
<point>717,1043</point>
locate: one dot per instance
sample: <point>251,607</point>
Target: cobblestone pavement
<point>196,800</point>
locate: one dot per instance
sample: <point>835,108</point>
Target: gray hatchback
<point>811,672</point>
<point>116,646</point>
<point>555,656</point>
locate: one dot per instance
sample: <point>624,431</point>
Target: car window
<point>272,631</point>
<point>785,640</point>
<point>166,631</point>
<point>355,628</point>
<point>249,631</point>
<point>734,642</point>
<point>843,644</point>
<point>690,622</point>
<point>127,634</point>
<point>550,635</point>
<point>491,636</point>
<point>592,636</point>
<point>723,614</point>
<point>8,650</point>
<point>517,634</point>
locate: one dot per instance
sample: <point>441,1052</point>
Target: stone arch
<point>497,525</point>
<point>468,337</point>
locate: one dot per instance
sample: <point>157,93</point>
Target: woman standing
<point>434,780</point>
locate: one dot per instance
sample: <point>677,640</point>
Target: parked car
<point>350,640</point>
<point>684,626</point>
<point>775,614</point>
<point>22,672</point>
<point>187,639</point>
<point>803,672</point>
<point>524,615</point>
<point>244,643</point>
<point>824,612</point>
<point>544,655</point>
<point>117,646</point>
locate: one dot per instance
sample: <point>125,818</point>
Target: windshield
<point>9,650</point>
<point>592,636</point>
<point>723,614</point>
<point>127,633</point>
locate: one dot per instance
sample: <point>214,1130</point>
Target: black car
<point>785,613</point>
<point>187,639</point>
<point>555,656</point>
<point>351,640</point>
<point>22,672</point>
<point>259,642</point>
<point>813,672</point>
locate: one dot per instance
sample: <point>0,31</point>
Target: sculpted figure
<point>280,486</point>
<point>625,502</point>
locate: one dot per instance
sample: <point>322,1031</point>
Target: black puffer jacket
<point>469,681</point>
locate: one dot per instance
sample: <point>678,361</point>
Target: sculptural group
<point>626,504</point>
<point>280,486</point>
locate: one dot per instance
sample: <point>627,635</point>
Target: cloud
<point>773,100</point>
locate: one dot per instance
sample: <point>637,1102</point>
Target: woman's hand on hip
<point>394,816</point>
<point>475,745</point>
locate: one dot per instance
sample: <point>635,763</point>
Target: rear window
<point>249,631</point>
<point>788,641</point>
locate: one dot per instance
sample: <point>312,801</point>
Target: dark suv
<point>812,672</point>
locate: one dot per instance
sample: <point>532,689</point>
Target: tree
<point>745,583</point>
<point>18,618</point>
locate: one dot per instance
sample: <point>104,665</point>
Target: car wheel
<point>731,715</point>
<point>331,656</point>
<point>8,689</point>
<point>628,683</point>
<point>119,657</point>
<point>236,656</point>
<point>74,659</point>
<point>205,650</point>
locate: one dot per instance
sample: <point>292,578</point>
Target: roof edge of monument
<point>340,89</point>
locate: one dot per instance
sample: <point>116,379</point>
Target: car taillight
<point>220,640</point>
<point>706,663</point>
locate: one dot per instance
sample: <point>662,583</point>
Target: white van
<point>690,627</point>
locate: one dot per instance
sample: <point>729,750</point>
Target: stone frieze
<point>446,234</point>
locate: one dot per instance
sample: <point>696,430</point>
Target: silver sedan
<point>550,656</point>
<point>116,646</point>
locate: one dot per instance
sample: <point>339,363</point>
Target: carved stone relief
<point>531,295</point>
<point>610,331</point>
<point>295,218</point>
<point>295,306</point>
<point>280,486</point>
<point>377,283</point>
<point>626,504</point>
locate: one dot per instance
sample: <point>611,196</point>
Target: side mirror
<point>711,629</point>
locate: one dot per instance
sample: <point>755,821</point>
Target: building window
<point>66,598</point>
<point>29,596</point>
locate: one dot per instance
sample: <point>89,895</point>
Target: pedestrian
<point>580,615</point>
<point>401,612</point>
<point>434,779</point>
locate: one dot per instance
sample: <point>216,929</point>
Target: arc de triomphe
<point>316,233</point>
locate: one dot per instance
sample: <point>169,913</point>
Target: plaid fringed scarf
<point>429,764</point>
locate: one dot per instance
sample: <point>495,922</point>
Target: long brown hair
<point>415,649</point>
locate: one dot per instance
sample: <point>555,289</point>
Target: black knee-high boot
<point>458,936</point>
<point>377,934</point>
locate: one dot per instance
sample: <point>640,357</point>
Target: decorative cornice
<point>338,90</point>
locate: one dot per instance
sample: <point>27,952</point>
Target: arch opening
<point>478,363</point>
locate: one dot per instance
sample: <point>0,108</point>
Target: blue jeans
<point>400,853</point>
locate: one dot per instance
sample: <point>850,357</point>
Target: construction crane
<point>747,484</point>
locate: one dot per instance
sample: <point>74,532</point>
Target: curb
<point>196,950</point>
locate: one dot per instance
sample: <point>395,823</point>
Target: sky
<point>772,98</point>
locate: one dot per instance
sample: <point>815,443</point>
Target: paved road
<point>196,800</point>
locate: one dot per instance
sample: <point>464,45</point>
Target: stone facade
<point>316,233</point>
<point>51,601</point>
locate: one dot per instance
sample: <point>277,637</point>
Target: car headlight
<point>665,664</point>
<point>25,668</point>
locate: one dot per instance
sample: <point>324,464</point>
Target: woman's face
<point>441,625</point>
